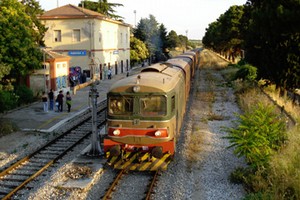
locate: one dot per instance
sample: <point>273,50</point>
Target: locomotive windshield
<point>146,106</point>
<point>120,105</point>
<point>153,106</point>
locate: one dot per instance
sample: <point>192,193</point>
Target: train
<point>145,113</point>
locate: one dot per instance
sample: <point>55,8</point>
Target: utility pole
<point>95,149</point>
<point>45,67</point>
<point>134,18</point>
<point>186,44</point>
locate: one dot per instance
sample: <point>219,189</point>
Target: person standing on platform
<point>51,99</point>
<point>60,100</point>
<point>45,101</point>
<point>68,101</point>
<point>109,74</point>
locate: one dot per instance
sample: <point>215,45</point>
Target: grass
<point>213,116</point>
<point>291,108</point>
<point>285,169</point>
<point>193,149</point>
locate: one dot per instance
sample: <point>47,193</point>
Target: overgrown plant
<point>7,127</point>
<point>246,72</point>
<point>256,134</point>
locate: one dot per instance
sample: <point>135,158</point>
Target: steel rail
<point>52,161</point>
<point>152,185</point>
<point>113,185</point>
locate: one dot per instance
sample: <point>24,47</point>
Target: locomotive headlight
<point>157,133</point>
<point>136,88</point>
<point>116,132</point>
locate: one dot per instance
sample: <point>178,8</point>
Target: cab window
<point>120,105</point>
<point>153,106</point>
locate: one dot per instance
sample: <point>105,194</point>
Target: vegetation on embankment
<point>262,136</point>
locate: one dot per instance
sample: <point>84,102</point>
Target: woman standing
<point>45,101</point>
<point>68,101</point>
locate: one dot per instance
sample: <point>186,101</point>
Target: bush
<point>7,127</point>
<point>25,95</point>
<point>242,62</point>
<point>8,100</point>
<point>257,133</point>
<point>246,72</point>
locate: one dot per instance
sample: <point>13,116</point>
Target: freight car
<point>146,112</point>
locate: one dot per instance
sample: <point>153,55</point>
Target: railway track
<point>123,179</point>
<point>19,174</point>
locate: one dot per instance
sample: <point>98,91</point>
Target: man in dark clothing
<point>51,99</point>
<point>60,100</point>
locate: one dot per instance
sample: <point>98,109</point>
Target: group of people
<point>58,101</point>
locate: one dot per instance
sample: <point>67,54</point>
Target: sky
<point>189,17</point>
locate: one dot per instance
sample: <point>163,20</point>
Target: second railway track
<point>141,189</point>
<point>19,174</point>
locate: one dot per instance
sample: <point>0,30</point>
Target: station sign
<point>77,53</point>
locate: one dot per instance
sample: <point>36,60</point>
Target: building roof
<point>70,11</point>
<point>54,55</point>
<point>73,12</point>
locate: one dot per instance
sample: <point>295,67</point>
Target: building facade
<point>54,75</point>
<point>94,42</point>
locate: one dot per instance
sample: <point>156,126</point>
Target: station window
<point>76,35</point>
<point>57,35</point>
<point>153,106</point>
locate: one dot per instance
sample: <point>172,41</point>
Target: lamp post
<point>45,67</point>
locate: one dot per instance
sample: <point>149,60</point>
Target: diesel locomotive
<point>145,113</point>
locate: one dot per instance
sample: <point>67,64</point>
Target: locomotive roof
<point>155,78</point>
<point>183,64</point>
<point>187,55</point>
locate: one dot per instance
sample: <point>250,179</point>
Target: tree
<point>273,41</point>
<point>183,41</point>
<point>33,9</point>
<point>103,7</point>
<point>19,47</point>
<point>148,31</point>
<point>163,37</point>
<point>138,50</point>
<point>173,40</point>
<point>4,71</point>
<point>224,35</point>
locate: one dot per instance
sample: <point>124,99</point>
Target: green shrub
<point>239,175</point>
<point>7,127</point>
<point>25,95</point>
<point>8,100</point>
<point>257,133</point>
<point>242,62</point>
<point>246,72</point>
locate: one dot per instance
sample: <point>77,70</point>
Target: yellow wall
<point>105,41</point>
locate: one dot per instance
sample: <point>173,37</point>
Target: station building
<point>94,43</point>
